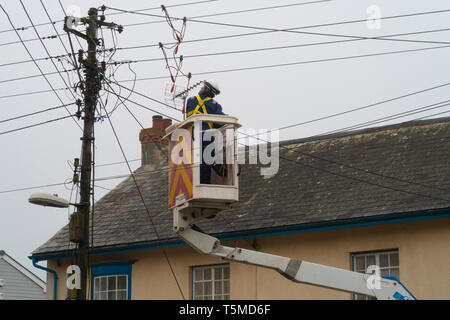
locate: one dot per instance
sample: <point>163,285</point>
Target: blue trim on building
<point>55,276</point>
<point>273,231</point>
<point>311,228</point>
<point>113,269</point>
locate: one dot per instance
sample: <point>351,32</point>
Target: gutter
<point>55,276</point>
<point>420,215</point>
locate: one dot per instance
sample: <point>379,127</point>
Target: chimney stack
<point>152,143</point>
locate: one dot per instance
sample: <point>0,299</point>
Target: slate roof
<point>305,192</point>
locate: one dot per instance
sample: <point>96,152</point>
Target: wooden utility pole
<point>90,99</point>
<point>92,72</point>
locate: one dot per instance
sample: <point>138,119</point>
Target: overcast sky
<point>263,98</point>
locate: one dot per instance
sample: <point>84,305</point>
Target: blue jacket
<point>212,107</point>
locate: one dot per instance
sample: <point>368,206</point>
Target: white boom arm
<point>297,270</point>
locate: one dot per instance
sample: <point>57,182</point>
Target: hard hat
<point>214,87</point>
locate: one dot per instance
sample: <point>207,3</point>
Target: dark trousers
<point>205,169</point>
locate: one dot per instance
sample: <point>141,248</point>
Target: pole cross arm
<point>300,271</point>
<point>75,32</point>
<point>111,25</point>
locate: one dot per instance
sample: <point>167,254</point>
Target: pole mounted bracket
<point>86,138</point>
<point>110,25</point>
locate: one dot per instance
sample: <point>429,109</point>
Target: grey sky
<point>263,98</point>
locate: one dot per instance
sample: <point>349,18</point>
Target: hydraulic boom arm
<point>296,270</point>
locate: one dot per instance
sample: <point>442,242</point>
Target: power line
<point>230,70</point>
<point>426,108</point>
<point>280,47</point>
<point>35,125</point>
<point>27,27</point>
<point>383,119</point>
<point>109,14</point>
<point>292,125</point>
<point>264,28</point>
<point>36,59</point>
<point>145,96</point>
<point>357,126</point>
<point>228,12</point>
<point>34,187</point>
<point>36,112</point>
<point>32,92</point>
<point>45,48</point>
<point>141,105</point>
<point>114,163</point>
<point>59,37</point>
<point>311,26</point>
<point>365,106</point>
<point>28,40</point>
<point>167,6</point>
<point>296,63</point>
<point>70,55</point>
<point>254,33</point>
<point>37,65</point>
<point>98,186</point>
<point>253,50</point>
<point>55,36</point>
<point>34,76</point>
<point>287,29</point>
<point>319,60</point>
<point>433,115</point>
<point>236,51</point>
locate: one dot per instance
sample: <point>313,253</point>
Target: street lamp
<point>48,200</point>
<point>76,228</point>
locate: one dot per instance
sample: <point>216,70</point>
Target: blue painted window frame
<point>112,269</point>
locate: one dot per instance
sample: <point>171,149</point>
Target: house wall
<point>17,285</point>
<point>423,254</point>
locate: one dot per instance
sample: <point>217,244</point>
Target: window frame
<point>212,280</point>
<point>112,269</point>
<point>376,254</point>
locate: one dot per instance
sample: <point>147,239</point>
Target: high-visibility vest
<point>197,109</point>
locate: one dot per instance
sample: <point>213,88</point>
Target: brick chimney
<point>152,143</point>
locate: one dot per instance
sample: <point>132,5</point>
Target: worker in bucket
<point>204,103</point>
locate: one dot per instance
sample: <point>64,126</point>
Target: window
<point>111,281</point>
<point>111,288</point>
<point>211,282</point>
<point>387,261</point>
